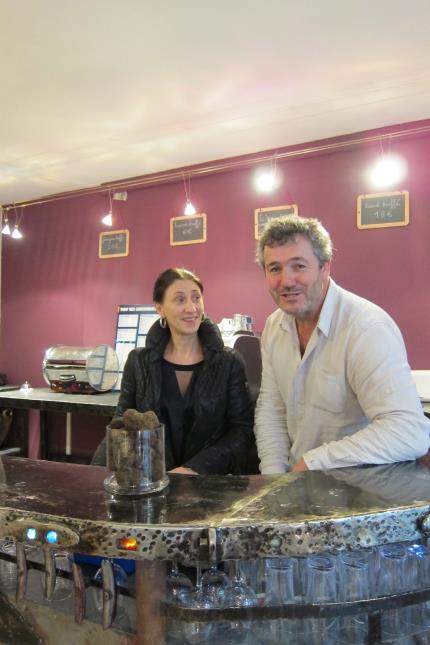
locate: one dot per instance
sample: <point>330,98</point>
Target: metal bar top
<point>256,516</point>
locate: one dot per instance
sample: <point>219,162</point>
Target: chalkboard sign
<point>113,244</point>
<point>264,215</point>
<point>190,229</point>
<point>383,209</point>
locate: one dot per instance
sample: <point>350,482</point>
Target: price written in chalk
<point>383,209</point>
<point>188,229</point>
<point>113,244</point>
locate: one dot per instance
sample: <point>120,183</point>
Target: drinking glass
<point>392,578</point>
<point>195,633</point>
<point>353,585</point>
<point>280,577</point>
<point>418,564</point>
<point>320,588</point>
<point>252,572</point>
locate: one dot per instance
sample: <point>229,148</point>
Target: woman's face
<point>182,307</point>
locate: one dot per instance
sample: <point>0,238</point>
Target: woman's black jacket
<point>221,434</point>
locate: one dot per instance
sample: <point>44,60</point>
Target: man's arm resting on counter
<point>300,466</point>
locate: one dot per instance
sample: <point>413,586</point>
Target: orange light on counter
<point>128,544</point>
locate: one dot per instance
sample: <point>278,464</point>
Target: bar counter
<point>214,519</point>
<point>251,517</point>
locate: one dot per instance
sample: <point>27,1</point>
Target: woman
<point>195,385</point>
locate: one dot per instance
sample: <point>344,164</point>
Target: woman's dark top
<point>177,408</point>
<point>217,431</point>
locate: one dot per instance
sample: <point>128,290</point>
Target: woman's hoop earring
<point>162,322</point>
<point>203,316</point>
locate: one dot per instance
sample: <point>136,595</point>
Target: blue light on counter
<point>51,537</point>
<point>31,534</point>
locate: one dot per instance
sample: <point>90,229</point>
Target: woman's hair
<point>168,277</point>
<point>285,229</point>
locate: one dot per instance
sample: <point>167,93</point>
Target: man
<point>336,387</point>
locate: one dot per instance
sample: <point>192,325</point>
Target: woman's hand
<point>180,470</point>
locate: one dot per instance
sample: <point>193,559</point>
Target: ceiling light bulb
<point>16,233</point>
<point>6,228</point>
<point>266,182</point>
<point>387,171</point>
<point>107,219</point>
<point>189,208</point>
<point>267,179</point>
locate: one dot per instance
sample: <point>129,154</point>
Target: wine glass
<point>237,594</point>
<point>195,633</point>
<point>177,584</point>
<point>215,584</point>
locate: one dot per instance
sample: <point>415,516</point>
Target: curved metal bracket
<point>424,524</point>
<point>212,550</point>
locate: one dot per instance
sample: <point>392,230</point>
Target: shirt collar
<point>328,308</point>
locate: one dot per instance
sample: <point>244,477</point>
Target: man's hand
<point>180,470</point>
<point>300,466</point>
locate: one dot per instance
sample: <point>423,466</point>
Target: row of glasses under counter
<point>312,557</point>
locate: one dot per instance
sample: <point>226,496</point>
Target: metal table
<point>45,400</point>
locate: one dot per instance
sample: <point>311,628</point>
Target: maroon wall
<point>55,289</point>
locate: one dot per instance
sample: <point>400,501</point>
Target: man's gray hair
<point>286,229</point>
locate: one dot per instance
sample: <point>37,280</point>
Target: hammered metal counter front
<point>234,517</point>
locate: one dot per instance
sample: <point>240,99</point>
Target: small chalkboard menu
<point>264,215</point>
<point>383,209</point>
<point>113,244</point>
<point>189,229</point>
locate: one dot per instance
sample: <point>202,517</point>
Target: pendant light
<point>107,219</point>
<point>5,228</point>
<point>189,207</point>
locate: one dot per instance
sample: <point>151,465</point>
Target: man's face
<point>295,279</point>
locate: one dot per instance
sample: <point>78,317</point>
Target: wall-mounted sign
<point>133,324</point>
<point>383,209</point>
<point>189,229</point>
<point>264,215</point>
<point>113,244</point>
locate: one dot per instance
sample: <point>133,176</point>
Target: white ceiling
<point>99,90</point>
